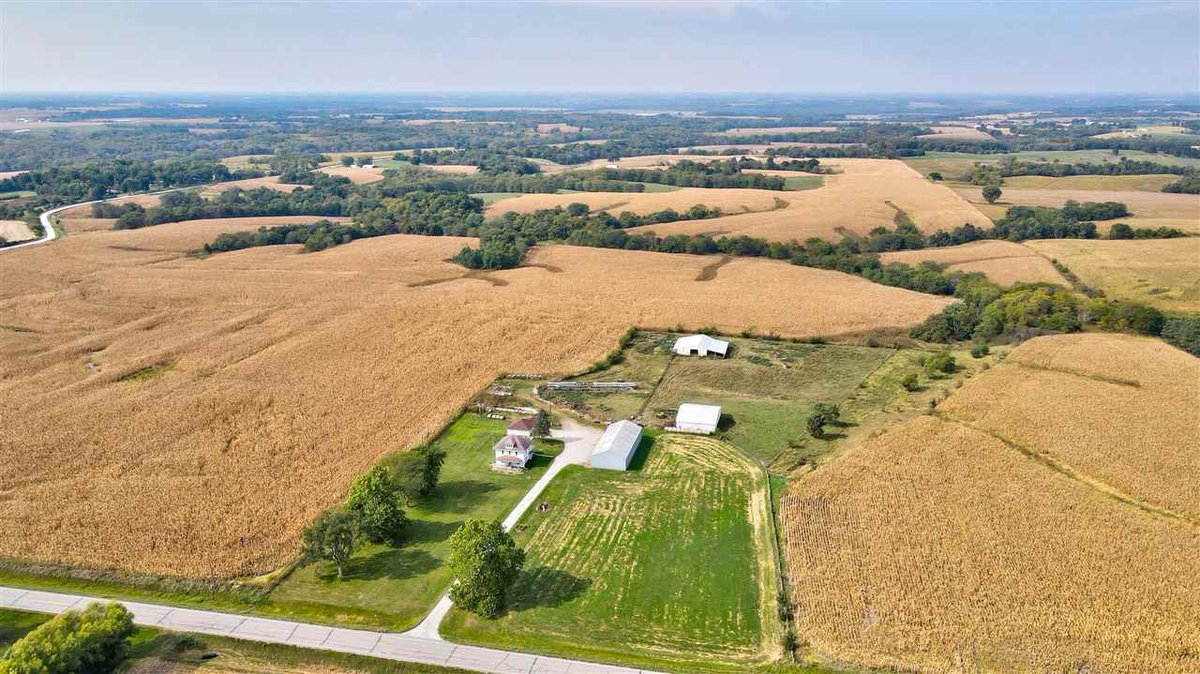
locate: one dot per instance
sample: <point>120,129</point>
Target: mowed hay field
<point>1008,531</point>
<point>865,194</point>
<point>1152,182</point>
<point>1149,209</point>
<point>670,560</point>
<point>1161,272</point>
<point>358,175</point>
<point>270,182</point>
<point>773,130</point>
<point>1004,262</point>
<point>252,386</point>
<point>15,230</point>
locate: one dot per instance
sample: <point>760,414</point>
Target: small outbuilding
<point>513,452</point>
<point>522,427</point>
<point>701,345</point>
<point>694,418</point>
<point>616,446</point>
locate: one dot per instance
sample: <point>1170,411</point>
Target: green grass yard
<point>658,567</point>
<point>398,586</point>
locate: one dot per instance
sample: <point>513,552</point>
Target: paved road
<point>578,442</point>
<point>48,232</point>
<point>389,646</point>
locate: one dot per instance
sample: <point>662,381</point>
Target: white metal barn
<point>693,418</point>
<point>616,446</point>
<point>701,345</point>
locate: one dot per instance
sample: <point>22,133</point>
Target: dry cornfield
<point>1164,273</point>
<point>1032,524</point>
<point>728,200</point>
<point>865,194</point>
<point>168,414</point>
<point>1004,262</point>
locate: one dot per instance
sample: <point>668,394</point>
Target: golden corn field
<point>1004,262</point>
<point>950,544</point>
<point>168,414</point>
<point>862,195</point>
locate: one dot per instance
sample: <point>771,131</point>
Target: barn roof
<point>523,424</point>
<point>702,343</point>
<point>620,438</point>
<point>692,413</point>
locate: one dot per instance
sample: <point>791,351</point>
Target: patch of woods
<point>94,640</point>
<point>484,558</point>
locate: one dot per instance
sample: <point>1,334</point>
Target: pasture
<point>261,417</point>
<point>394,588</point>
<point>767,389</point>
<point>983,537</point>
<point>1004,262</point>
<point>957,132</point>
<point>1159,272</point>
<point>636,567</point>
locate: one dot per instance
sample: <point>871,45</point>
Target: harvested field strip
<point>1063,469</point>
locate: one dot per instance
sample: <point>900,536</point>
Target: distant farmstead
<point>513,452</point>
<point>693,418</point>
<point>616,446</point>
<point>522,427</point>
<point>701,345</point>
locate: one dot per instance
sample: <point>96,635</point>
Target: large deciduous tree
<point>333,537</point>
<point>485,561</point>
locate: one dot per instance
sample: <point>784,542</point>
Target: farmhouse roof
<point>692,413</point>
<point>702,344</point>
<point>522,424</point>
<point>511,459</point>
<point>512,443</point>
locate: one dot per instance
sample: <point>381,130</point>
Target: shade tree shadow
<point>459,496</point>
<point>546,587</point>
<point>390,563</point>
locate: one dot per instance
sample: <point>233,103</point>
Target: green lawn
<point>953,164</point>
<point>660,567</point>
<point>490,198</point>
<point>16,624</point>
<point>396,587</point>
<point>803,182</point>
<point>17,194</point>
<point>659,187</point>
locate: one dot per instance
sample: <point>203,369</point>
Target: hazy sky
<point>663,46</point>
